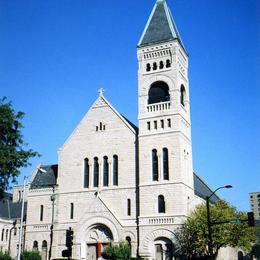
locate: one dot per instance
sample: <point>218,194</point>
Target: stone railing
<point>157,220</point>
<point>159,106</point>
<point>41,227</point>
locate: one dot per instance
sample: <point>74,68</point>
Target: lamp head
<point>228,186</point>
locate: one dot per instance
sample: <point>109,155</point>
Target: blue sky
<point>55,55</point>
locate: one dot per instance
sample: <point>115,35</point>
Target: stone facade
<point>115,181</point>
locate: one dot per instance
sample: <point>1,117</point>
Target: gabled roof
<point>160,26</point>
<point>102,101</point>
<point>46,176</point>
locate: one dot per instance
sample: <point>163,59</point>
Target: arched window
<point>161,65</point>
<point>105,171</point>
<point>128,239</point>
<point>148,67</point>
<point>19,195</point>
<point>158,92</point>
<point>183,95</point>
<point>165,164</point>
<point>71,210</point>
<point>35,245</point>
<point>96,172</point>
<point>154,66</point>
<point>44,250</point>
<point>161,204</point>
<point>115,170</point>
<point>86,173</point>
<point>168,63</point>
<point>155,164</point>
<point>3,233</point>
<point>44,244</point>
<point>41,213</point>
<point>128,207</point>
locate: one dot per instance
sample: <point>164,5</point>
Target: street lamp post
<point>21,223</point>
<point>210,249</point>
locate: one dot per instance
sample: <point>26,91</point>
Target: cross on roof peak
<point>101,91</point>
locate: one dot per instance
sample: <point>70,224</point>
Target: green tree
<point>5,256</point>
<point>31,255</point>
<point>192,237</point>
<point>13,154</point>
<point>117,252</point>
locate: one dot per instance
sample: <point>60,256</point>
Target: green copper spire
<point>160,26</point>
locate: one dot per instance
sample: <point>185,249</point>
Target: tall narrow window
<point>148,67</point>
<point>6,234</point>
<point>86,173</point>
<point>161,204</point>
<point>128,207</point>
<point>165,164</point>
<point>155,164</point>
<point>41,213</point>
<point>71,210</point>
<point>148,126</point>
<point>162,123</point>
<point>3,233</point>
<point>155,124</point>
<point>44,250</point>
<point>183,95</point>
<point>105,171</point>
<point>128,239</point>
<point>161,65</point>
<point>35,245</point>
<point>168,63</point>
<point>115,170</point>
<point>96,172</point>
<point>169,122</point>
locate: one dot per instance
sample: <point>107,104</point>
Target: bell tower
<point>165,148</point>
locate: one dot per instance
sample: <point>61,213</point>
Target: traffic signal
<point>69,238</point>
<point>250,219</point>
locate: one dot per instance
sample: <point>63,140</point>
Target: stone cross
<point>101,92</point>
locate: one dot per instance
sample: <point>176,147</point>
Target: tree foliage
<point>13,154</point>
<point>5,256</point>
<point>31,255</point>
<point>192,237</point>
<point>117,252</point>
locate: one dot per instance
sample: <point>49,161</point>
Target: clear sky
<point>55,55</point>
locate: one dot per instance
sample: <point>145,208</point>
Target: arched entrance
<point>97,238</point>
<point>163,249</point>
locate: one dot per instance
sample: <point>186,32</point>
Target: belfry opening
<point>158,92</point>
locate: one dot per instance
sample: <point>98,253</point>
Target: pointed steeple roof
<point>160,26</point>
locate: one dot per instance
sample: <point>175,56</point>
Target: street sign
<point>235,221</point>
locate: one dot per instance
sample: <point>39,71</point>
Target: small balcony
<point>159,106</point>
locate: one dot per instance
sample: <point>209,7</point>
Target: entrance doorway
<point>163,249</point>
<point>98,237</point>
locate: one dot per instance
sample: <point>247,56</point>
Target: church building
<point>115,181</point>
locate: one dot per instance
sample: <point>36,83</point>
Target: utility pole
<point>53,197</point>
<point>21,223</point>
